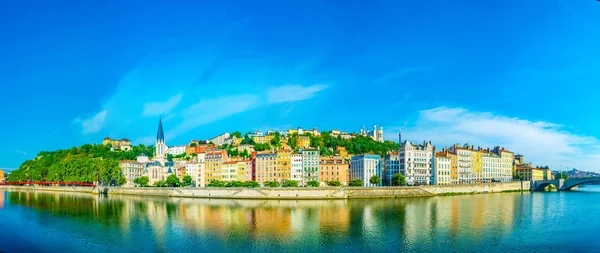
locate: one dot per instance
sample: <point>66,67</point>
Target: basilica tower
<point>161,146</point>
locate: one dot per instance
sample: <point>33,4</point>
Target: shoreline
<point>320,193</point>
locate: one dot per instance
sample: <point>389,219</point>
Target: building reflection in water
<point>204,223</point>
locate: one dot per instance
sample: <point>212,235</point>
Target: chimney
<point>424,143</point>
<point>429,142</point>
<point>472,147</point>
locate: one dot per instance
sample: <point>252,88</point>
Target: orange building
<point>333,169</point>
<point>2,176</point>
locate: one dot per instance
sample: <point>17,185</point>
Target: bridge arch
<point>569,184</point>
<point>542,186</point>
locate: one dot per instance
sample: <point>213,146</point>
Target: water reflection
<point>472,223</point>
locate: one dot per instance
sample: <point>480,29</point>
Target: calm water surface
<point>508,222</point>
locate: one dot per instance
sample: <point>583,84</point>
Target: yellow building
<point>303,142</point>
<point>529,173</point>
<point>476,164</point>
<point>123,144</point>
<point>507,161</point>
<point>213,163</point>
<point>453,165</point>
<point>548,174</point>
<point>334,169</point>
<point>341,151</point>
<point>229,171</point>
<point>284,166</point>
<point>2,179</point>
<point>262,139</point>
<point>244,170</point>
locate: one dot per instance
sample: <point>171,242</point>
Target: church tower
<point>161,146</point>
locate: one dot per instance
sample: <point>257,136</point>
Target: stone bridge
<point>562,184</point>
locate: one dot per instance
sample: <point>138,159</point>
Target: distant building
<point>415,162</point>
<point>284,166</point>
<point>333,169</point>
<point>391,167</point>
<point>122,144</point>
<point>441,169</point>
<point>142,158</point>
<point>213,164</point>
<point>266,164</point>
<point>527,173</point>
<point>229,171</point>
<point>132,170</point>
<point>310,165</point>
<point>296,168</point>
<point>176,150</point>
<point>244,170</point>
<point>375,134</point>
<point>220,139</point>
<point>364,167</point>
<point>303,142</point>
<point>247,147</point>
<point>2,178</point>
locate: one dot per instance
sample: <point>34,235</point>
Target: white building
<point>296,168</point>
<point>364,167</point>
<point>310,165</point>
<point>465,168</point>
<point>375,134</point>
<point>492,167</point>
<point>415,162</point>
<point>441,170</point>
<point>391,167</point>
<point>220,139</point>
<point>177,150</point>
<point>131,170</point>
<point>142,158</point>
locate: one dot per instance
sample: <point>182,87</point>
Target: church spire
<point>160,136</point>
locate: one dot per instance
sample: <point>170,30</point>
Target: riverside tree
<point>375,180</point>
<point>398,179</point>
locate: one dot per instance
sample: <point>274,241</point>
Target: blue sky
<point>522,74</point>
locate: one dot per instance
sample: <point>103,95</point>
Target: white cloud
<point>159,108</point>
<point>210,110</point>
<point>542,143</point>
<point>93,124</point>
<point>21,152</point>
<point>290,93</point>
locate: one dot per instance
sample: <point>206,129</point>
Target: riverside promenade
<point>291,193</point>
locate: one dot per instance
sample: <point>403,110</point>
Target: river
<point>504,222</point>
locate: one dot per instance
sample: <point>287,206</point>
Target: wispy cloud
<point>21,152</point>
<point>541,142</point>
<point>159,108</point>
<point>93,124</point>
<point>400,73</point>
<point>290,93</point>
<point>210,110</point>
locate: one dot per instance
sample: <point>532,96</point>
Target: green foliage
<point>292,139</point>
<point>244,154</point>
<point>355,182</point>
<point>289,183</point>
<point>169,157</point>
<point>271,184</point>
<point>237,134</point>
<point>83,164</point>
<point>234,184</point>
<point>262,147</point>
<point>173,181</point>
<point>251,184</point>
<point>312,183</point>
<point>560,175</point>
<point>193,144</point>
<point>142,181</point>
<point>398,179</point>
<point>122,180</point>
<point>375,180</point>
<point>160,183</point>
<point>216,183</point>
<point>334,183</point>
<point>187,180</point>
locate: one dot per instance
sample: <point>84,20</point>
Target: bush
<point>355,182</point>
<point>251,184</point>
<point>375,180</point>
<point>271,184</point>
<point>215,183</point>
<point>160,183</point>
<point>312,183</point>
<point>142,181</point>
<point>290,183</point>
<point>173,181</point>
<point>334,183</point>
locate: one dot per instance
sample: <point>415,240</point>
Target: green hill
<point>77,164</point>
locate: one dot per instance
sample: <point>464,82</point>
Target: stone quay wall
<point>293,193</point>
